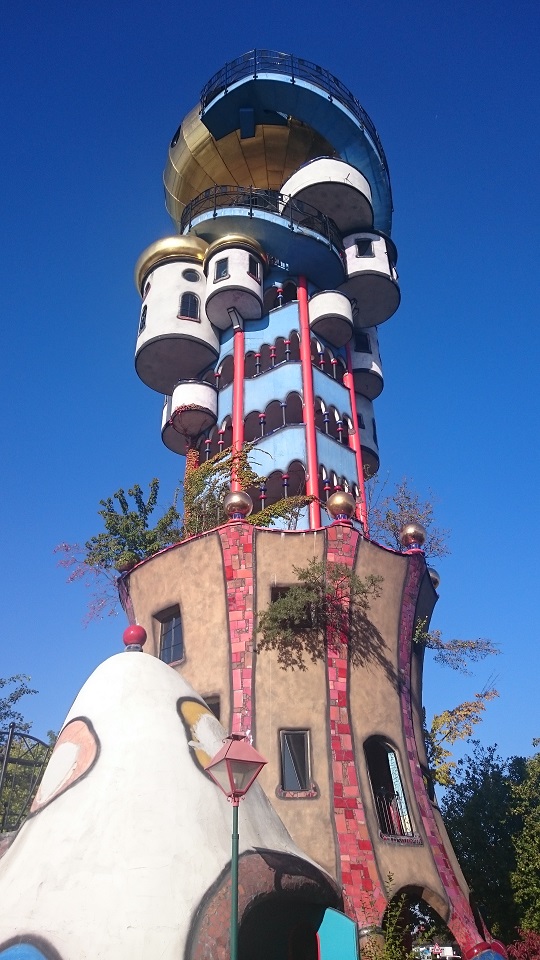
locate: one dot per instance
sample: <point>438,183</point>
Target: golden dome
<point>188,247</point>
<point>197,162</point>
<point>412,534</point>
<point>237,504</point>
<point>435,578</point>
<point>341,504</point>
<point>234,240</point>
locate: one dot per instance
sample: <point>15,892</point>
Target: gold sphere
<point>341,504</point>
<point>435,578</point>
<point>412,534</point>
<point>237,504</point>
<point>188,247</point>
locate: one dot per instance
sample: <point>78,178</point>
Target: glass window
<point>375,431</point>
<point>171,648</point>
<point>192,276</point>
<point>221,269</point>
<point>142,321</point>
<point>189,307</point>
<point>361,421</point>
<point>253,268</point>
<point>295,773</point>
<point>388,792</point>
<point>361,342</point>
<point>364,248</point>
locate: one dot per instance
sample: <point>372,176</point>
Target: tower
<point>259,323</point>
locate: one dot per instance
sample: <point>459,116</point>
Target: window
<point>192,276</point>
<point>361,421</point>
<point>388,793</point>
<point>375,432</point>
<point>142,321</point>
<point>361,342</point>
<point>189,307</point>
<point>171,648</point>
<point>253,267</point>
<point>295,773</point>
<point>221,269</point>
<point>364,248</point>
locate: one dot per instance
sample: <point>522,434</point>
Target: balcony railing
<point>393,817</point>
<point>285,64</point>
<point>22,761</point>
<point>297,214</point>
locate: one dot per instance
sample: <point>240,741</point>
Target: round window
<point>191,275</point>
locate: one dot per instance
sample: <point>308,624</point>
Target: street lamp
<point>235,768</point>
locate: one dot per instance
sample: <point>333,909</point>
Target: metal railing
<point>254,62</point>
<point>22,761</point>
<point>297,213</point>
<point>393,818</point>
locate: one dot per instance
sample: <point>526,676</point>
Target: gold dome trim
<point>188,247</point>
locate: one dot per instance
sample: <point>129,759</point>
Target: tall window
<point>171,648</point>
<point>361,342</point>
<point>388,792</point>
<point>295,773</point>
<point>189,307</point>
<point>221,269</point>
<point>142,321</point>
<point>364,248</point>
<point>253,267</point>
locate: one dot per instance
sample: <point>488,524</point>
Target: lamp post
<point>235,768</point>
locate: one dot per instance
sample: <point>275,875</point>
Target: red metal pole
<point>238,398</point>
<point>312,476</point>
<point>361,511</point>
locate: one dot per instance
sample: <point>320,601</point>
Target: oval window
<point>191,275</point>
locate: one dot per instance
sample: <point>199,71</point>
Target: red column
<point>312,476</point>
<point>238,397</point>
<point>361,512</point>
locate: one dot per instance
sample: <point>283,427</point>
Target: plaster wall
<point>190,575</point>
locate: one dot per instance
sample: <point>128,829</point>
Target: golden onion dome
<point>341,504</point>
<point>198,162</point>
<point>234,240</point>
<point>188,247</point>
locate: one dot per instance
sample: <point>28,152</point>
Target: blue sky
<point>92,93</point>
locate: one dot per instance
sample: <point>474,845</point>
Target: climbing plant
<point>327,606</point>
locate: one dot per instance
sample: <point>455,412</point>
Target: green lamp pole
<point>234,769</point>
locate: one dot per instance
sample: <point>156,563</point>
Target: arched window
<point>266,358</point>
<point>280,351</point>
<point>189,307</point>
<point>387,787</point>
<point>253,426</point>
<point>321,420</point>
<point>295,347</point>
<point>294,411</point>
<point>289,292</point>
<point>250,365</point>
<point>226,372</point>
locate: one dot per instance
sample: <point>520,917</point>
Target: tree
<point>388,514</point>
<point>527,947</point>
<point>447,728</point>
<point>525,878</point>
<point>8,713</point>
<point>130,537</point>
<point>479,812</point>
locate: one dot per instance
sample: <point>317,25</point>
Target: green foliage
<point>205,488</point>
<point>8,713</point>
<point>388,514</point>
<point>479,812</point>
<point>447,728</point>
<point>22,773</point>
<point>525,878</point>
<point>128,531</point>
<point>329,605</point>
<point>456,654</point>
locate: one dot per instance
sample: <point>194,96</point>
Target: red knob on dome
<point>134,634</point>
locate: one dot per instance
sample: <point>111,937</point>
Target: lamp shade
<point>236,766</point>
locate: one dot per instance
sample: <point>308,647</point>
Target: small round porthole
<point>191,275</point>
